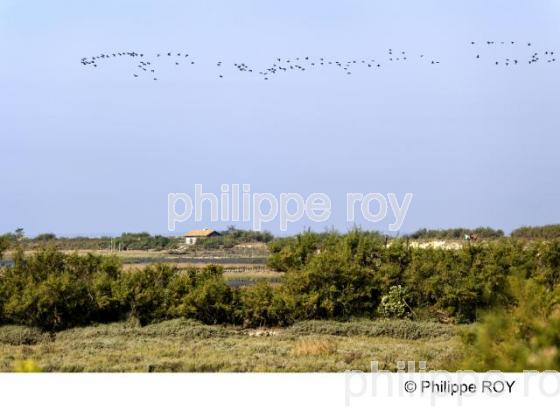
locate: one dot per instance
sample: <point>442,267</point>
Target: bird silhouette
<point>301,64</point>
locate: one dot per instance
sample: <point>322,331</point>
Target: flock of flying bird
<point>145,66</point>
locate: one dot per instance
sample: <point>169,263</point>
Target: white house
<point>192,236</point>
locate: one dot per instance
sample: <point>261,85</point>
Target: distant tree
<point>20,234</point>
<point>537,232</point>
<point>457,233</point>
<point>45,237</point>
<point>4,244</point>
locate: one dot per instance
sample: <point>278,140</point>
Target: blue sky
<point>97,151</point>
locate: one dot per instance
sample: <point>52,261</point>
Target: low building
<point>192,236</point>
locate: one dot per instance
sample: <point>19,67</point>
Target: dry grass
<point>187,346</point>
<point>314,347</point>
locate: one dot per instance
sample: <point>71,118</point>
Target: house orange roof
<point>201,232</point>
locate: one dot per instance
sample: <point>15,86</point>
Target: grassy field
<point>187,346</point>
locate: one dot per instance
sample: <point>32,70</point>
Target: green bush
<point>339,280</point>
<point>328,276</point>
<point>52,290</point>
<point>145,294</point>
<point>523,336</point>
<point>232,237</point>
<point>547,232</point>
<point>457,233</point>
<point>264,305</point>
<point>43,290</point>
<point>293,253</point>
<point>393,304</point>
<point>210,300</point>
<point>44,237</point>
<point>4,244</point>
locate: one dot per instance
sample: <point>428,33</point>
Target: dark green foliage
<point>341,275</point>
<point>537,232</point>
<point>134,241</point>
<point>210,300</point>
<point>145,292</point>
<point>215,242</point>
<point>127,241</point>
<point>548,264</point>
<point>4,244</point>
<point>160,292</point>
<point>328,276</point>
<point>264,305</point>
<point>243,236</point>
<point>44,237</point>
<point>143,241</point>
<point>232,237</point>
<point>522,336</point>
<point>458,283</point>
<point>337,280</point>
<point>46,290</point>
<point>457,233</point>
<point>294,252</point>
<point>402,329</point>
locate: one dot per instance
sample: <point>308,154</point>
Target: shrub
<point>143,241</point>
<point>232,237</point>
<point>20,335</point>
<point>400,329</point>
<point>295,252</point>
<point>53,291</point>
<point>393,304</point>
<point>210,300</point>
<point>144,292</point>
<point>328,276</point>
<point>44,237</point>
<point>4,244</point>
<point>264,305</point>
<point>338,281</point>
<point>525,336</point>
<point>547,232</point>
<point>42,290</point>
<point>457,233</point>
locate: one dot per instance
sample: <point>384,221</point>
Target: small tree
<point>20,234</point>
<point>44,237</point>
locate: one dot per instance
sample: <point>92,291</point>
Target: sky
<point>96,151</point>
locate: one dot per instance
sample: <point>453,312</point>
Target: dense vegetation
<point>142,241</point>
<point>327,276</point>
<point>186,345</point>
<point>537,232</point>
<point>509,287</point>
<point>522,336</point>
<point>126,241</point>
<point>4,245</point>
<point>456,233</point>
<point>232,237</point>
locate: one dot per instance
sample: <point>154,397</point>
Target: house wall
<point>190,241</point>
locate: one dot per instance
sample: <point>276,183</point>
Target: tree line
<point>232,237</point>
<point>141,241</point>
<point>327,276</point>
